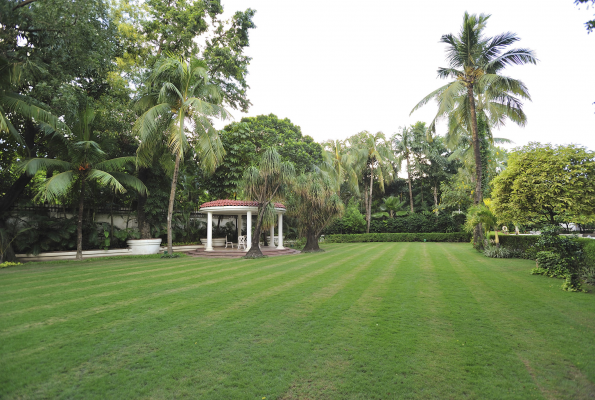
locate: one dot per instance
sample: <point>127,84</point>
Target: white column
<point>239,227</point>
<point>209,231</point>
<point>249,230</point>
<point>272,236</point>
<point>280,230</point>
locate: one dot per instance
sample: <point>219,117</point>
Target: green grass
<point>361,321</point>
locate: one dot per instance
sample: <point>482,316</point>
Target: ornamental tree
<point>315,204</point>
<point>544,183</point>
<point>266,183</point>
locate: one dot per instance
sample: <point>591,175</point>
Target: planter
<point>144,246</point>
<point>217,242</point>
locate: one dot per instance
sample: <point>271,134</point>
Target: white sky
<point>337,67</point>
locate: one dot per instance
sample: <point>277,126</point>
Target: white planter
<point>217,242</point>
<point>144,246</point>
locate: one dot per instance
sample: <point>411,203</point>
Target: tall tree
<point>408,145</point>
<point>266,183</point>
<point>315,204</point>
<point>475,65</point>
<point>245,142</point>
<point>82,161</point>
<point>338,161</point>
<point>372,154</point>
<point>180,97</point>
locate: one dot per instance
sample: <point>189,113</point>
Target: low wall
<point>71,255</point>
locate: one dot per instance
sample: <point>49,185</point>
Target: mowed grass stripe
<point>536,343</point>
<point>334,363</point>
<point>167,336</point>
<point>449,326</point>
<point>106,305</point>
<point>541,292</point>
<point>156,312</point>
<point>74,270</point>
<point>102,274</point>
<point>267,319</point>
<point>89,291</point>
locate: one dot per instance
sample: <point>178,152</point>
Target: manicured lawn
<point>361,321</point>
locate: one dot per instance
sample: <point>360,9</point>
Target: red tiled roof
<point>223,203</point>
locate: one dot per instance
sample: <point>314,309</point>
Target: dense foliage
<point>399,237</point>
<point>545,183</point>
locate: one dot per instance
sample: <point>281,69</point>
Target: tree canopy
<point>546,183</point>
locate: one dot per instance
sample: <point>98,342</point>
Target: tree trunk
<point>436,198</point>
<point>255,251</point>
<point>369,210</point>
<point>311,242</point>
<point>477,233</point>
<point>141,216</point>
<point>409,182</point>
<point>170,207</point>
<point>79,225</point>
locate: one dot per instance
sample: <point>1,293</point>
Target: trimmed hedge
<point>526,242</point>
<point>517,242</point>
<point>399,237</point>
<point>411,223</point>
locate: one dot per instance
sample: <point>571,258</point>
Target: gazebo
<point>239,208</point>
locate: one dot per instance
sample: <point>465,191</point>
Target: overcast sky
<point>337,67</point>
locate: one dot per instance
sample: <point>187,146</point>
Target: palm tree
<point>337,160</point>
<point>83,161</point>
<point>179,96</point>
<point>394,206</point>
<point>405,144</point>
<point>315,204</point>
<point>475,64</point>
<point>265,184</point>
<point>13,103</point>
<point>372,152</point>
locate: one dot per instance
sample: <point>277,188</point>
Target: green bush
<point>424,222</point>
<point>588,252</point>
<point>399,237</point>
<point>550,264</point>
<point>519,243</point>
<point>501,252</point>
<point>9,264</point>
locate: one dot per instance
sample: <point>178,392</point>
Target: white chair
<point>228,242</point>
<point>242,242</point>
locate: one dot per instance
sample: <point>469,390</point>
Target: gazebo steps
<point>222,252</point>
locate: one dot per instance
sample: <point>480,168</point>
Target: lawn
<point>361,321</point>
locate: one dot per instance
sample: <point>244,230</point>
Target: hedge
<point>516,242</point>
<point>525,242</point>
<point>399,237</point>
<point>411,223</point>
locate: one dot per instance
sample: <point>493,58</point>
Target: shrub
<point>500,252</point>
<point>399,237</point>
<point>550,264</point>
<point>9,264</point>
<point>588,252</point>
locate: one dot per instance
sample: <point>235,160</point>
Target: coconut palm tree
<point>82,161</point>
<point>406,144</point>
<point>179,101</point>
<point>337,161</point>
<point>373,153</point>
<point>475,66</point>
